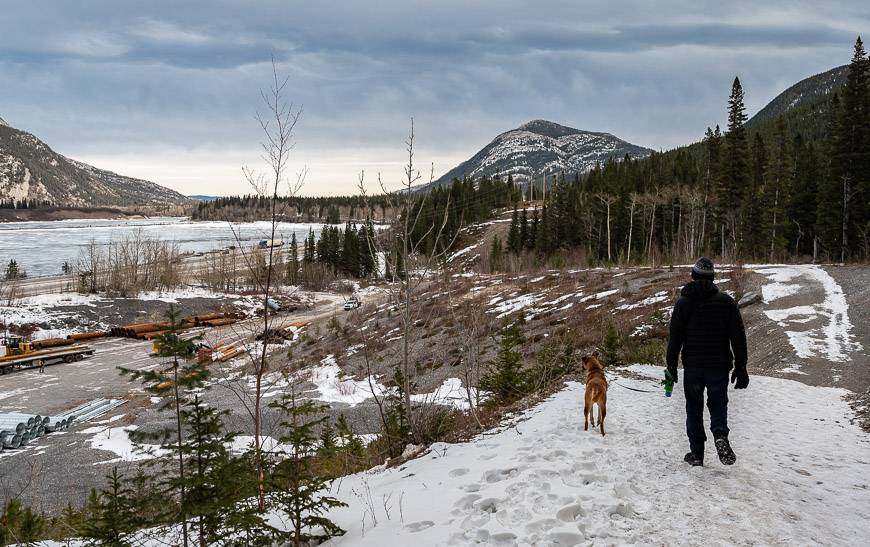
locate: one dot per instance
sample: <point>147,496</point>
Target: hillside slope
<point>31,170</point>
<point>802,94</point>
<point>542,147</point>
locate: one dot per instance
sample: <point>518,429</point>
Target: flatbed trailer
<point>47,357</point>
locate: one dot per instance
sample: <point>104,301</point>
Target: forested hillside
<point>788,187</point>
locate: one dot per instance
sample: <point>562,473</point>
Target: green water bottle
<point>668,382</point>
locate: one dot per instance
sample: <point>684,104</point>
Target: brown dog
<point>596,391</point>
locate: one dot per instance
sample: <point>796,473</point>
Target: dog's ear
<point>595,354</point>
<point>585,359</point>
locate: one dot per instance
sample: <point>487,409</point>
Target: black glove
<point>673,372</point>
<point>740,378</point>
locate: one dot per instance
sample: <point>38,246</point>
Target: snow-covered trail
<point>802,477</point>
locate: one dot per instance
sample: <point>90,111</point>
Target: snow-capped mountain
<point>543,147</point>
<point>31,170</point>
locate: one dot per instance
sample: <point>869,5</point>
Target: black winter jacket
<point>706,326</point>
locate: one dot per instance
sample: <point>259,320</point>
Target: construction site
<point>64,405</point>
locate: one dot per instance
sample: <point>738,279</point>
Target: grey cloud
<point>103,76</point>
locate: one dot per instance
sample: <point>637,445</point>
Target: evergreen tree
<point>513,239</point>
<point>504,377</point>
<point>114,515</point>
<point>397,425</point>
<point>802,205</point>
<point>775,195</point>
<point>298,488</point>
<point>351,444</point>
<point>496,253</point>
<point>732,191</point>
<point>611,347</point>
<point>20,524</point>
<point>850,158</point>
<point>293,261</point>
<point>829,209</point>
<point>524,229</point>
<point>171,384</point>
<point>14,272</point>
<point>328,439</point>
<point>216,479</point>
<point>531,242</point>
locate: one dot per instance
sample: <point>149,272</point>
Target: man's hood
<point>700,289</point>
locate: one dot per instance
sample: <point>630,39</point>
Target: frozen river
<point>42,247</point>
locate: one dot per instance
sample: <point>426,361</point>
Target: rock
<point>752,297</point>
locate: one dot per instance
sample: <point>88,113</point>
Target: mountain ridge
<point>540,147</point>
<point>806,92</point>
<point>30,170</point>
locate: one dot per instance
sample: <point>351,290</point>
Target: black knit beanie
<point>703,269</point>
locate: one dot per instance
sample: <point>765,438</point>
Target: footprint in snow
<point>458,472</point>
<point>566,538</point>
<point>466,502</point>
<point>570,513</point>
<point>497,475</point>
<point>415,527</point>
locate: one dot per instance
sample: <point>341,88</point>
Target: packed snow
<point>542,480</point>
<point>826,329</point>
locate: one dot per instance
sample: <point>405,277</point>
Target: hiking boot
<point>693,459</point>
<point>723,448</point>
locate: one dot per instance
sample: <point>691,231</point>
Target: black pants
<point>715,381</point>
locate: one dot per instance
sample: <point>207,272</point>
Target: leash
<point>638,390</point>
<point>613,381</point>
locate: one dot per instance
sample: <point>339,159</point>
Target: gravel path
<point>814,327</point>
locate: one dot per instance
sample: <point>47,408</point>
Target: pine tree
<point>532,242</point>
<point>397,425</point>
<point>850,158</point>
<point>171,384</point>
<point>113,514</point>
<point>328,439</point>
<point>298,488</point>
<point>504,377</point>
<point>802,205</point>
<point>351,444</point>
<point>216,479</point>
<point>775,195</point>
<point>20,524</point>
<point>611,347</point>
<point>513,239</point>
<point>496,253</point>
<point>524,229</point>
<point>14,271</point>
<point>829,207</point>
<point>293,261</point>
<point>732,191</point>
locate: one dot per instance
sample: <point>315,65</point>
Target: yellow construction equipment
<point>15,353</point>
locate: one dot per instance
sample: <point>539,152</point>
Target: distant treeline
<point>329,210</point>
<point>24,203</point>
<point>789,188</point>
<point>435,219</point>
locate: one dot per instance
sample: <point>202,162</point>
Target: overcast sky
<point>167,90</point>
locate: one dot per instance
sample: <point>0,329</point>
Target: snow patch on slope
<point>831,340</point>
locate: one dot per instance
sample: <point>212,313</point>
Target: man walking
<point>706,326</point>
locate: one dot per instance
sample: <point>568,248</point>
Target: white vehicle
<point>352,303</point>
